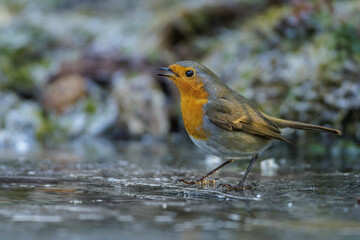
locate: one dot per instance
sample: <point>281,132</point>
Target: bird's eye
<point>189,73</point>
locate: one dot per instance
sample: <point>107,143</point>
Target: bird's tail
<point>282,123</point>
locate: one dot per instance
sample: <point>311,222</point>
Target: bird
<point>222,122</point>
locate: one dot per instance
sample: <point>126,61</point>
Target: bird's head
<point>193,78</point>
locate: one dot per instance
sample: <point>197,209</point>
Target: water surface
<point>93,190</point>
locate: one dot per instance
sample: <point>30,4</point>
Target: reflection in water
<point>96,189</point>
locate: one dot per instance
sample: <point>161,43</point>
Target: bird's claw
<point>237,187</point>
<point>198,181</point>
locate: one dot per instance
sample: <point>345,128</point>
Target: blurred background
<point>92,140</point>
<point>80,69</point>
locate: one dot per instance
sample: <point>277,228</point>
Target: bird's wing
<point>243,116</point>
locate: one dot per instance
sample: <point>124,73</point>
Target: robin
<point>224,123</point>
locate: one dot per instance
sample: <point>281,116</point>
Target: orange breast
<point>192,112</point>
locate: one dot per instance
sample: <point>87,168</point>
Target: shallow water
<point>94,189</point>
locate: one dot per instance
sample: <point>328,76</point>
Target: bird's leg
<point>203,178</point>
<point>252,161</point>
<point>241,185</point>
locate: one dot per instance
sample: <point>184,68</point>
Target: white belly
<point>230,144</point>
<point>232,151</point>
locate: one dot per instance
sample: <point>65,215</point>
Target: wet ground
<point>97,190</point>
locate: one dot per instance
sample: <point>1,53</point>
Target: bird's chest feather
<point>193,114</point>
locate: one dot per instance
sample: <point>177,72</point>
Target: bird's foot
<point>239,187</point>
<point>201,180</point>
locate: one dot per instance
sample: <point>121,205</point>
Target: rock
<point>64,91</point>
<point>20,120</point>
<point>142,106</point>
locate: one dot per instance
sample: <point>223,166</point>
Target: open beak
<point>168,70</point>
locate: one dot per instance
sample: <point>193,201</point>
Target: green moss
<point>45,128</point>
<point>17,59</point>
<point>14,6</point>
<point>266,21</point>
<point>347,38</point>
<point>48,130</point>
<point>90,106</point>
<point>316,149</point>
